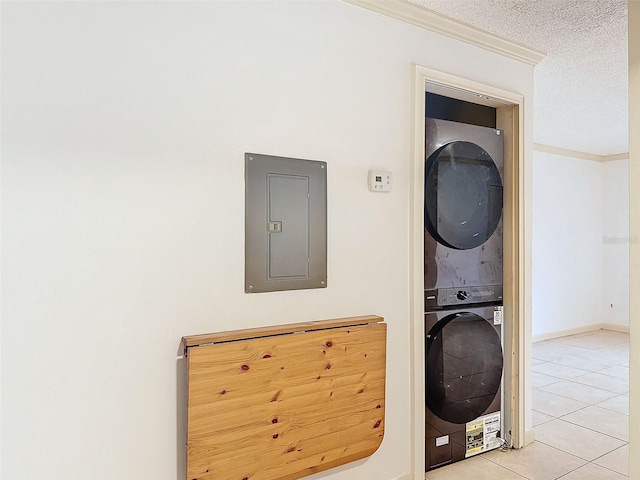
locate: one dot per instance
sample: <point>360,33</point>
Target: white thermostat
<point>380,181</point>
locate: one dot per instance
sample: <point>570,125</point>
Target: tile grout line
<point>587,460</point>
<point>615,394</point>
<point>591,429</point>
<point>587,428</point>
<point>571,471</point>
<point>507,468</point>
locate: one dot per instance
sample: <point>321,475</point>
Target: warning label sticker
<point>482,434</point>
<point>475,438</point>
<point>497,315</point>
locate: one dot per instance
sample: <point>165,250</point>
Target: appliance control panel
<point>444,297</point>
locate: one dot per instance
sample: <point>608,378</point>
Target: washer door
<point>463,195</point>
<point>463,367</point>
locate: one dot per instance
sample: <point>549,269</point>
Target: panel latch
<point>275,227</point>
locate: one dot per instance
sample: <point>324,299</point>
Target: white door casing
<point>517,257</point>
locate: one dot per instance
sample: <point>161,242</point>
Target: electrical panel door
<point>285,223</point>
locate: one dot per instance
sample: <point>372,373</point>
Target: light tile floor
<point>580,416</point>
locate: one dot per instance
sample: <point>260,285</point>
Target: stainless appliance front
<point>463,378</point>
<point>463,205</point>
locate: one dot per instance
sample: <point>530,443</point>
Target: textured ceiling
<point>580,90</point>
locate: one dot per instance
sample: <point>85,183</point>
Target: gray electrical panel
<point>285,223</point>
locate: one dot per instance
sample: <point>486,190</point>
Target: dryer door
<point>463,195</point>
<point>463,367</point>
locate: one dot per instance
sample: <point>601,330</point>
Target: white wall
<point>567,243</point>
<point>580,243</point>
<point>124,129</point>
<point>615,239</point>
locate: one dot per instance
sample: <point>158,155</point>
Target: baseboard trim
<point>617,328</point>
<point>529,437</point>
<point>406,476</point>
<point>583,329</point>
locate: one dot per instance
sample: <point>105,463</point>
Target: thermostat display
<point>380,181</point>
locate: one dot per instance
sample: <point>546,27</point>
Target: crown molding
<point>422,17</point>
<point>538,147</point>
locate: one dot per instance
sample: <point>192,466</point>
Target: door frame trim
<point>517,258</point>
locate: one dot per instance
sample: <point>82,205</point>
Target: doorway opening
<point>509,118</point>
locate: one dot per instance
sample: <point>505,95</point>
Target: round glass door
<point>463,195</point>
<point>463,367</point>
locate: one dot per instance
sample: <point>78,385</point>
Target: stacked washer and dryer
<point>463,290</point>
